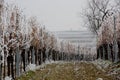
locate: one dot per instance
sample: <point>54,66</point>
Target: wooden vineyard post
<point>1,7</point>
<point>109,52</point>
<point>103,53</point>
<point>41,57</point>
<point>33,56</point>
<point>0,66</point>
<point>46,52</point>
<point>26,58</point>
<point>115,45</point>
<point>99,54</point>
<point>17,62</point>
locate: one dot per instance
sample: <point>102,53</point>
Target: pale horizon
<point>60,15</point>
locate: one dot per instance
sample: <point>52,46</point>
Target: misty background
<point>56,15</point>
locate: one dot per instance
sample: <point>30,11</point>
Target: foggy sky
<point>56,15</point>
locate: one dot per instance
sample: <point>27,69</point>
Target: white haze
<point>56,15</point>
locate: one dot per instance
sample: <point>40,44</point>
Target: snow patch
<point>49,61</point>
<point>31,67</point>
<point>101,64</point>
<point>99,79</point>
<point>8,78</point>
<point>76,68</point>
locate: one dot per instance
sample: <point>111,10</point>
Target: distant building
<point>81,38</point>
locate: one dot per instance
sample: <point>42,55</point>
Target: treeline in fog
<point>25,41</point>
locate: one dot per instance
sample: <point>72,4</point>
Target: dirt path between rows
<point>69,71</point>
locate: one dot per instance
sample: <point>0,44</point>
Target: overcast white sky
<point>56,15</point>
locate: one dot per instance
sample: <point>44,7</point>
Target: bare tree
<point>97,12</point>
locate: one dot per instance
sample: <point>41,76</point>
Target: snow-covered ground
<point>101,64</point>
<point>100,67</point>
<point>68,71</point>
<point>33,67</point>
